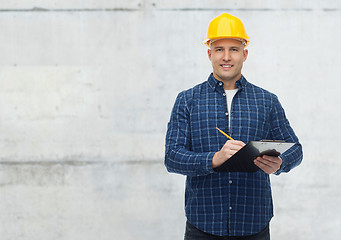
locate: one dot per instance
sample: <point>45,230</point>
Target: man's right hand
<point>227,151</point>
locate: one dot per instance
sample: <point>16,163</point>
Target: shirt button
<point>220,84</point>
<point>226,113</point>
<point>230,181</point>
<point>224,94</point>
<point>230,208</point>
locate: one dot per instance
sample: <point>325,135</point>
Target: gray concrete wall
<point>86,89</point>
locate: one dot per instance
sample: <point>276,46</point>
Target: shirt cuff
<point>209,158</point>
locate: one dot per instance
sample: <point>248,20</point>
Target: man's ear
<point>209,52</point>
<point>246,53</point>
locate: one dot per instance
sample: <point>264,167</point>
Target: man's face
<point>227,57</point>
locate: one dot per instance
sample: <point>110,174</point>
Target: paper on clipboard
<point>242,161</point>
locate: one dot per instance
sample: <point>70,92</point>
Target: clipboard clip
<point>278,141</point>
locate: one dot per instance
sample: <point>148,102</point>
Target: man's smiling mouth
<point>226,65</point>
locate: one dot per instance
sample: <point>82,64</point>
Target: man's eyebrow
<point>235,47</point>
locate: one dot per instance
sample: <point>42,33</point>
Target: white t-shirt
<point>229,97</point>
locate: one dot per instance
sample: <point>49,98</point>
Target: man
<point>227,205</point>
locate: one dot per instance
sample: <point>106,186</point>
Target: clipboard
<point>242,161</point>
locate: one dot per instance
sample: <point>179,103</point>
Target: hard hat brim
<point>208,40</point>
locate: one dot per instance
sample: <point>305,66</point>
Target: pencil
<point>224,133</point>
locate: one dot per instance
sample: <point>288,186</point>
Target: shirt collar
<point>219,85</point>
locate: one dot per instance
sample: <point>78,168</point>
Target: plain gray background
<point>86,90</point>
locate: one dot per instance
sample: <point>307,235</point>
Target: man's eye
<point>219,49</point>
<point>234,49</point>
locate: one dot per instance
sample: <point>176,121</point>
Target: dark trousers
<point>192,233</point>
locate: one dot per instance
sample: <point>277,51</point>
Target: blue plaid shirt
<point>226,203</point>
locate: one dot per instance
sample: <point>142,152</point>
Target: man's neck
<point>229,84</point>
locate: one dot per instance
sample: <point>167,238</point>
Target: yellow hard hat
<point>226,26</point>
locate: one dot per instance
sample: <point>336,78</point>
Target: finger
<point>230,152</point>
<point>238,143</point>
<point>264,162</point>
<point>234,145</point>
<point>267,166</point>
<point>234,148</point>
<point>264,167</point>
<point>235,142</point>
<point>276,160</point>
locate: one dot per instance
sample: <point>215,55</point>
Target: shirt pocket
<point>252,123</point>
<point>204,120</point>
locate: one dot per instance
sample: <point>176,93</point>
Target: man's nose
<point>226,56</point>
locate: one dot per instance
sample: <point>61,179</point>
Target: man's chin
<point>228,78</point>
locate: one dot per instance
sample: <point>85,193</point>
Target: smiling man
<point>227,205</point>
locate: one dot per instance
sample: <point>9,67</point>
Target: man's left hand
<point>268,164</point>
